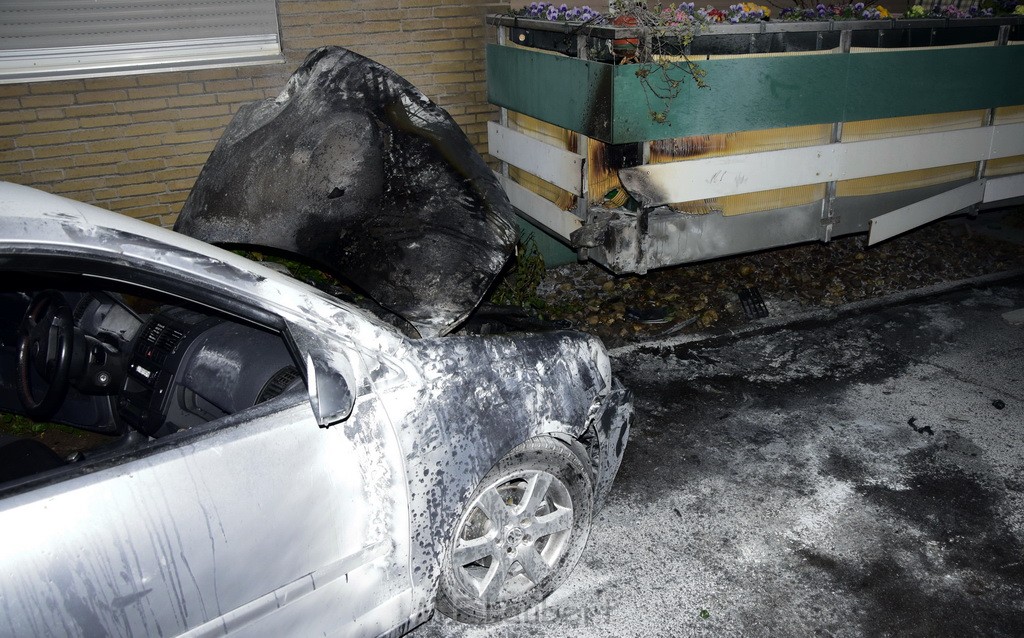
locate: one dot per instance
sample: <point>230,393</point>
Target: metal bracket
<point>828,217</point>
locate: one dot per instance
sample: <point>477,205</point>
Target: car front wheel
<point>521,535</point>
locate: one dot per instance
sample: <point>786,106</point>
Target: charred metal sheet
<point>626,242</point>
<point>476,398</point>
<point>355,169</point>
<point>612,430</point>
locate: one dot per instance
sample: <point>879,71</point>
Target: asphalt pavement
<point>859,472</point>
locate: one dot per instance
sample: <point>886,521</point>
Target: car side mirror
<point>330,378</point>
<point>330,393</point>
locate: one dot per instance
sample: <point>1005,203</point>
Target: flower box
<point>817,95</point>
<point>903,75</point>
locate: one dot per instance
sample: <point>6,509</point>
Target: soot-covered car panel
<point>353,168</point>
<point>460,472</point>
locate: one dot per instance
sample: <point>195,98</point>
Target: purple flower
<point>552,13</point>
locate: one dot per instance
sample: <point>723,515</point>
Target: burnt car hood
<point>354,169</point>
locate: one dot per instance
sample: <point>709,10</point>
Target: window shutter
<point>59,39</point>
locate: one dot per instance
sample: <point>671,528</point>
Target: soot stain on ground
<point>720,408</point>
<point>949,566</point>
<point>843,467</point>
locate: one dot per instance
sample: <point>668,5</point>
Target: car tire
<point>521,535</point>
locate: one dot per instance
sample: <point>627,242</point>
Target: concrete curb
<point>817,315</point>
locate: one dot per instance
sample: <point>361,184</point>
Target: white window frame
<point>43,40</point>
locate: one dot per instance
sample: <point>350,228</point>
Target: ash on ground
<point>704,296</point>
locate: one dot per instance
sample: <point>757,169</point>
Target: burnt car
<point>273,460</point>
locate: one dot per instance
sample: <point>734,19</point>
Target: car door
<point>261,523</point>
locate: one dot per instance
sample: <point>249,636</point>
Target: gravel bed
<point>696,297</point>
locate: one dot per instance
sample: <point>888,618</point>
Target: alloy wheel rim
<point>513,535</point>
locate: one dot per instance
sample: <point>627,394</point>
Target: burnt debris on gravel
<point>696,297</point>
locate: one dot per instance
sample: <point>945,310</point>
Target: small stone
<point>608,286</point>
<point>998,404</point>
<point>1014,317</point>
<point>593,320</point>
<point>746,270</point>
<point>708,318</point>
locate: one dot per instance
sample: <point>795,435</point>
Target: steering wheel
<point>45,338</point>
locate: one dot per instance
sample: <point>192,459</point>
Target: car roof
<point>17,201</point>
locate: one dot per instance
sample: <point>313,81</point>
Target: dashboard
<point>152,367</point>
<point>187,368</point>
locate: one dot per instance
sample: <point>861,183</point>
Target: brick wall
<point>135,144</point>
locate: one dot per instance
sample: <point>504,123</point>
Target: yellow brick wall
<point>135,144</point>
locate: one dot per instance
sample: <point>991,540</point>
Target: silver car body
<point>266,522</point>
